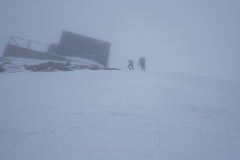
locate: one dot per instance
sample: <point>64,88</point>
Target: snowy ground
<point>12,64</point>
<point>118,115</point>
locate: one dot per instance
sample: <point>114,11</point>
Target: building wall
<point>81,46</point>
<point>20,52</point>
<point>53,49</point>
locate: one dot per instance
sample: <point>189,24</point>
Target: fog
<point>187,36</point>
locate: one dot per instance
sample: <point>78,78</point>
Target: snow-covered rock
<point>12,64</point>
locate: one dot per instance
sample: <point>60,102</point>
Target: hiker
<point>130,65</point>
<point>142,63</point>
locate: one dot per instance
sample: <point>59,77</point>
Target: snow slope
<point>118,115</point>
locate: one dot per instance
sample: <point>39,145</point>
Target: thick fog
<point>200,37</point>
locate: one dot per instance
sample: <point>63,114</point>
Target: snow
<point>79,60</point>
<point>13,64</point>
<point>120,115</point>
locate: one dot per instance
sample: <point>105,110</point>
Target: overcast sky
<point>200,37</point>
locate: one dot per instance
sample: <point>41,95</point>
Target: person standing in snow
<point>130,65</point>
<point>142,63</point>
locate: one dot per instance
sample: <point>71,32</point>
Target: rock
<point>48,67</point>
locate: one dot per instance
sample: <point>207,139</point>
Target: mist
<point>189,36</point>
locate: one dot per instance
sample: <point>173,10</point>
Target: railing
<point>29,43</point>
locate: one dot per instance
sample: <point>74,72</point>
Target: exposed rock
<point>91,67</point>
<point>49,67</point>
<point>111,69</point>
<point>13,65</point>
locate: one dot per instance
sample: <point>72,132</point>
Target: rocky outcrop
<point>52,66</point>
<point>49,67</point>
